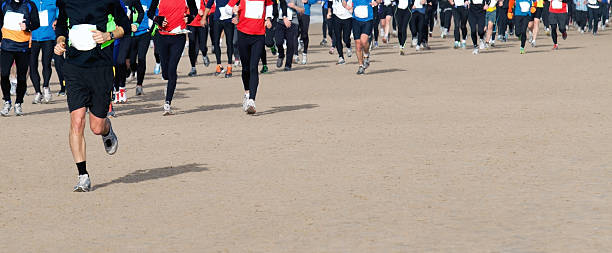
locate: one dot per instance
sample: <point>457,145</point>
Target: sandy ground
<point>439,151</point>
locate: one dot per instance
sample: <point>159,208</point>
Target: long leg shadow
<point>152,174</point>
<point>205,108</point>
<point>382,71</point>
<point>289,108</point>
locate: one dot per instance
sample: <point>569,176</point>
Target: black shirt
<point>77,12</point>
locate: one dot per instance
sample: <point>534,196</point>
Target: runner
<point>534,25</point>
<point>89,71</point>
<point>18,19</point>
<point>491,18</point>
<point>287,31</point>
<point>222,22</point>
<point>172,20</point>
<point>325,26</point>
<point>431,15</point>
<point>558,17</point>
<point>375,24</point>
<point>304,23</point>
<point>502,13</point>
<point>460,16</point>
<point>198,38</point>
<point>362,28</point>
<point>477,18</point>
<point>342,21</point>
<point>43,39</point>
<point>254,16</point>
<point>581,14</point>
<point>135,12</point>
<point>402,15</point>
<point>519,12</point>
<point>386,13</point>
<point>446,14</point>
<point>418,25</point>
<point>594,15</point>
<point>141,40</point>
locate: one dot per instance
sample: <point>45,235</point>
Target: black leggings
<point>375,23</point>
<point>121,67</point>
<point>342,30</point>
<point>228,29</point>
<point>170,49</point>
<point>553,31</point>
<point>403,17</point>
<point>198,37</point>
<point>155,49</point>
<point>140,47</point>
<point>304,25</point>
<point>431,13</point>
<point>520,29</point>
<point>286,34</point>
<point>21,60</point>
<point>47,54</point>
<point>478,22</point>
<point>445,18</point>
<point>460,15</point>
<point>418,27</point>
<point>327,28</point>
<point>250,47</point>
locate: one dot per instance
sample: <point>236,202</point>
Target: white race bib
<point>591,2</point>
<point>289,13</point>
<point>477,1</point>
<point>525,7</point>
<point>81,37</point>
<point>253,9</point>
<point>387,2</point>
<point>12,20</point>
<point>361,11</point>
<point>226,12</point>
<point>403,4</point>
<point>44,18</point>
<point>198,3</point>
<point>459,3</point>
<point>559,4</point>
<point>418,4</point>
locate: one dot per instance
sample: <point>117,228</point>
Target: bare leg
<point>76,138</point>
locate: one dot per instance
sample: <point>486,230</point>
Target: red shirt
<point>563,8</point>
<point>174,11</point>
<point>252,16</point>
<point>197,19</point>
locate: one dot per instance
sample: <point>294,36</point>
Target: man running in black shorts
<point>90,27</point>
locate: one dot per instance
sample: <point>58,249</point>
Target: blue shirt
<point>144,24</point>
<point>307,6</point>
<point>44,33</point>
<point>518,10</point>
<point>364,6</point>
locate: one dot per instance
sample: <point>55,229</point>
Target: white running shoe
<point>414,43</point>
<point>37,98</point>
<point>84,184</point>
<point>349,52</point>
<point>46,95</point>
<point>167,110</point>
<point>245,99</point>
<point>6,109</point>
<point>122,95</point>
<point>304,60</point>
<point>116,97</point>
<point>475,52</point>
<point>110,140</point>
<point>482,44</point>
<point>157,69</point>
<point>251,107</point>
<point>18,109</point>
<point>418,48</point>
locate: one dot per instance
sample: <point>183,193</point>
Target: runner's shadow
<point>152,174</point>
<point>383,71</point>
<point>205,108</point>
<point>289,108</point>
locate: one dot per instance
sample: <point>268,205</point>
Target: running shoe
<point>139,90</point>
<point>37,98</point>
<point>463,45</point>
<point>533,43</point>
<point>366,61</point>
<point>279,62</point>
<point>13,87</point>
<point>414,43</point>
<point>6,109</point>
<point>456,45</point>
<point>157,69</point>
<point>131,77</point>
<point>122,95</point>
<point>418,48</point>
<point>482,44</point>
<point>426,45</point>
<point>61,93</point>
<point>18,109</point>
<point>401,50</point>
<point>264,69</point>
<point>430,34</point>
<point>193,72</point>
<point>547,31</point>
<point>237,62</point>
<point>115,97</point>
<point>492,43</point>
<point>323,42</point>
<point>206,61</point>
<point>555,47</point>
<point>273,50</point>
<point>245,100</point>
<point>361,70</point>
<point>110,140</point>
<point>287,69</point>
<point>331,50</point>
<point>304,59</point>
<point>341,61</point>
<point>46,95</point>
<point>296,59</point>
<point>83,185</point>
<point>251,107</point>
<point>228,73</point>
<point>167,109</point>
<point>219,70</point>
<point>375,44</point>
<point>564,35</point>
<point>385,39</point>
<point>475,52</point>
<point>522,50</point>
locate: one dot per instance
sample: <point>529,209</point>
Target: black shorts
<point>361,27</point>
<point>538,13</point>
<point>557,19</point>
<point>385,10</point>
<point>89,88</point>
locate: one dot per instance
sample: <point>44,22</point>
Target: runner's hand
<point>287,22</point>
<point>165,23</point>
<point>54,24</point>
<point>268,23</point>
<point>236,9</point>
<point>485,7</point>
<point>60,48</point>
<point>235,20</point>
<point>329,14</point>
<point>22,25</point>
<point>100,37</point>
<point>134,28</point>
<point>203,21</point>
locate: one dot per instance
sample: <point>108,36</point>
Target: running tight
<point>140,47</point>
<point>21,60</point>
<point>304,25</point>
<point>418,26</point>
<point>47,54</point>
<point>403,18</point>
<point>477,21</point>
<point>553,31</point>
<point>198,37</point>
<point>250,47</point>
<point>520,29</point>
<point>170,49</point>
<point>460,14</point>
<point>342,30</point>
<point>227,28</point>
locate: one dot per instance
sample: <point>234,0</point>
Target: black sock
<point>82,168</point>
<point>107,133</point>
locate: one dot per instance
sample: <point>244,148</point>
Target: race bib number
<point>418,4</point>
<point>387,2</point>
<point>12,21</point>
<point>559,4</point>
<point>254,9</point>
<point>44,18</point>
<point>226,13</point>
<point>403,4</point>
<point>525,6</point>
<point>361,11</point>
<point>477,1</point>
<point>81,37</point>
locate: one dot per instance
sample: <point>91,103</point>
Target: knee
<point>98,129</point>
<point>77,125</point>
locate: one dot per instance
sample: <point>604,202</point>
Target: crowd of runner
<point>98,46</point>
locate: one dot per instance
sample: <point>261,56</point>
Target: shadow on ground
<point>152,174</point>
<point>289,108</point>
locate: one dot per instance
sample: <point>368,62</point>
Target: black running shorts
<point>557,19</point>
<point>361,27</point>
<point>89,88</point>
<point>385,10</point>
<point>537,14</point>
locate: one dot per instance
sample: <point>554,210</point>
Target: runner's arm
<point>61,28</point>
<point>140,11</point>
<point>193,10</point>
<point>34,19</point>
